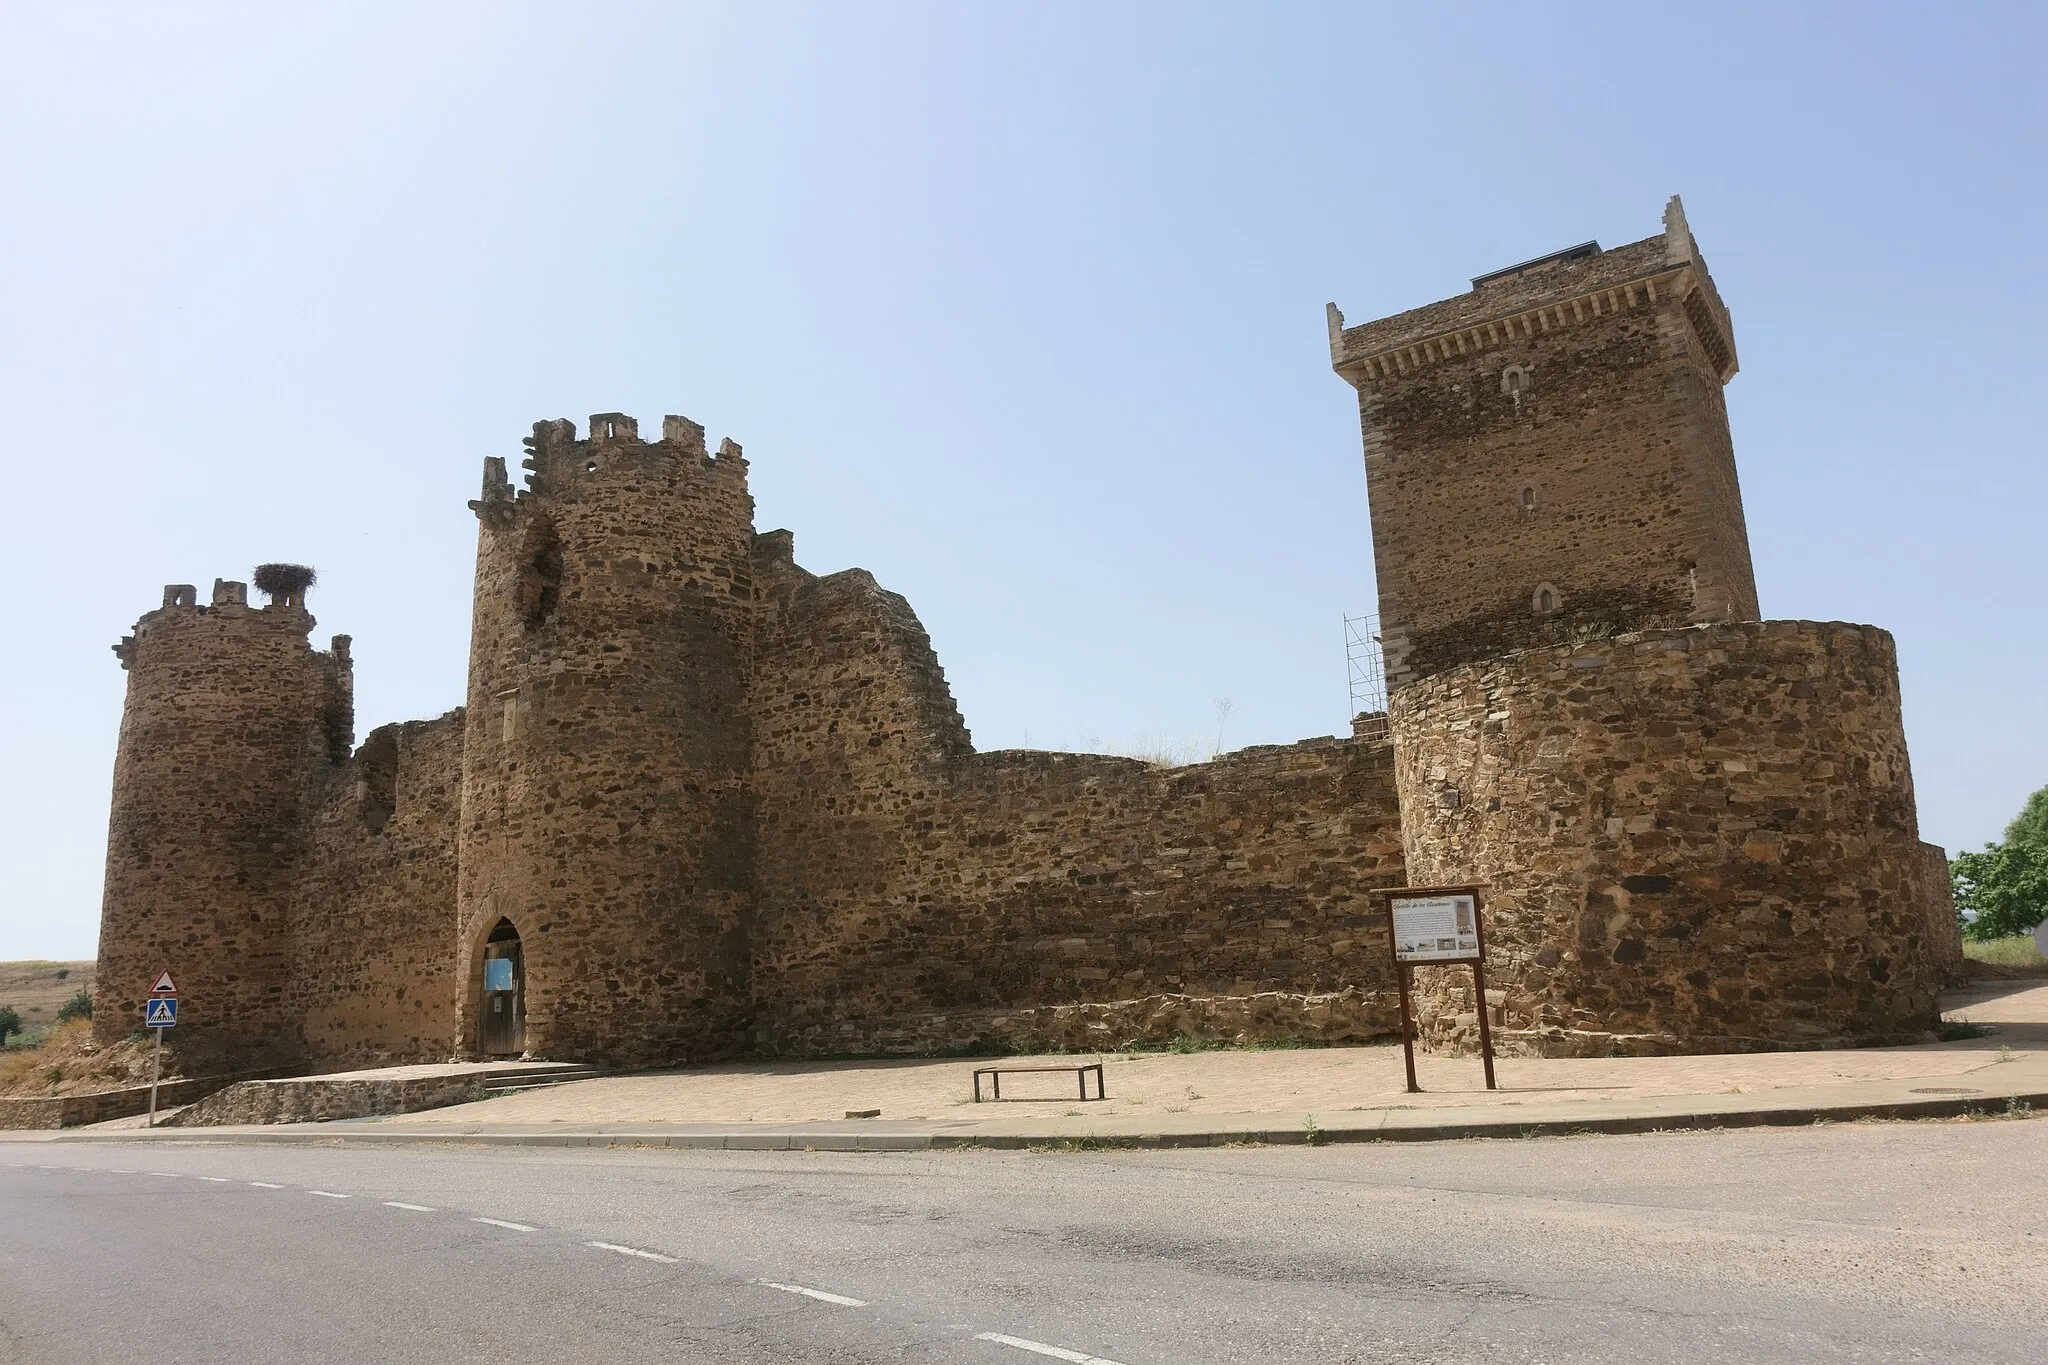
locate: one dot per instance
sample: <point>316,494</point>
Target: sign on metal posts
<point>1436,925</point>
<point>159,1012</point>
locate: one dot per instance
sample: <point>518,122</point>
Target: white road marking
<point>216,1179</point>
<point>168,1175</point>
<point>265,1185</point>
<point>327,1194</point>
<point>501,1223</point>
<point>820,1294</point>
<point>124,1173</point>
<point>1056,1352</point>
<point>633,1251</point>
<point>415,1208</point>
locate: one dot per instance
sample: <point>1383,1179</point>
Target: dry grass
<point>2017,953</point>
<point>37,989</point>
<point>69,1063</point>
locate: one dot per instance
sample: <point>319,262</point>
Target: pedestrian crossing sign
<point>161,1012</point>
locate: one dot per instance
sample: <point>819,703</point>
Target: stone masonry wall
<point>605,807</point>
<point>1694,840</point>
<point>230,719</point>
<point>1944,926</point>
<point>373,929</point>
<point>1566,433</point>
<point>914,895</point>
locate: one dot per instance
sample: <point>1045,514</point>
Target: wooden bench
<point>995,1076</point>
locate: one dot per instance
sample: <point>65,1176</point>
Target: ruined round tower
<point>605,847</point>
<point>230,718</point>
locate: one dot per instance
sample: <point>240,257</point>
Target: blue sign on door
<point>162,1012</point>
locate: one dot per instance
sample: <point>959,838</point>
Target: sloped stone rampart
<point>1694,840</point>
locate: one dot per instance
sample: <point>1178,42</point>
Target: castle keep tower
<point>1698,828</point>
<point>230,719</point>
<point>1548,455</point>
<point>605,840</point>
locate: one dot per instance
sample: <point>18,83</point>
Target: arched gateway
<point>501,1012</point>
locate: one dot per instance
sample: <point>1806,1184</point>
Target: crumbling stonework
<point>373,909</point>
<point>1036,879</point>
<point>700,802</point>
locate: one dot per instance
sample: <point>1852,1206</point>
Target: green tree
<point>10,1023</point>
<point>78,1006</point>
<point>2005,887</point>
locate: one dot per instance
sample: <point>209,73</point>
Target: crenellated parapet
<point>558,464</point>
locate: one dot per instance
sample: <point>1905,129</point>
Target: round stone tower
<point>1697,840</point>
<point>230,718</point>
<point>606,858</point>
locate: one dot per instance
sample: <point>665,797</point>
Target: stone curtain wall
<point>915,896</point>
<point>373,921</point>
<point>1944,925</point>
<point>1695,840</point>
<point>230,719</point>
<point>1569,432</point>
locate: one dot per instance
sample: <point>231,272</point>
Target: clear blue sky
<point>1019,306</point>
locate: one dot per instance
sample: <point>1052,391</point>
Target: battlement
<point>230,602</point>
<point>557,461</point>
<point>1552,293</point>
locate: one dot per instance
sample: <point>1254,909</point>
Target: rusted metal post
<point>1407,1029</point>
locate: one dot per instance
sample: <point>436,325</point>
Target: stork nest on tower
<point>284,580</point>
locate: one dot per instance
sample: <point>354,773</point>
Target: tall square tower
<point>1547,456</point>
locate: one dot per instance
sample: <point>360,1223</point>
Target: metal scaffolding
<point>1368,675</point>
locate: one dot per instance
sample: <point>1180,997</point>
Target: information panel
<point>1435,929</point>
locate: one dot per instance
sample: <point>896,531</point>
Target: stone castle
<point>700,803</point>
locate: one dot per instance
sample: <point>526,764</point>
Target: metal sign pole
<point>1407,1029</point>
<point>156,1062</point>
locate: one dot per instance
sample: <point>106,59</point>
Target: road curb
<point>1985,1106</point>
<point>1391,1126</point>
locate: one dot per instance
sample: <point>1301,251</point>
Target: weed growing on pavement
<point>1956,1033</point>
<point>1311,1130</point>
<point>2017,1108</point>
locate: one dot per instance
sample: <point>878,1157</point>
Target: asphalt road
<point>1863,1242</point>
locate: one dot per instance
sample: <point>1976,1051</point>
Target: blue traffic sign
<point>162,1012</point>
